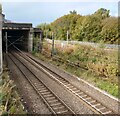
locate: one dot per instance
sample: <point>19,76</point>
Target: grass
<point>102,65</point>
<point>10,103</point>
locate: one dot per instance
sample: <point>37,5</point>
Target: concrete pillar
<point>30,40</point>
<point>1,59</point>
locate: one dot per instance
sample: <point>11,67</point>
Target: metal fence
<point>106,46</point>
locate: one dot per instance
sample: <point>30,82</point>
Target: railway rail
<point>53,102</point>
<point>89,101</point>
<point>57,58</point>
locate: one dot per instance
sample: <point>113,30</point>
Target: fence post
<point>52,52</point>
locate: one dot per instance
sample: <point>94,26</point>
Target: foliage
<point>98,27</point>
<point>9,99</point>
<point>110,30</point>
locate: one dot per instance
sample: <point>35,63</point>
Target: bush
<point>9,99</point>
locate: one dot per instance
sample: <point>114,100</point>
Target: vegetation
<point>99,27</point>
<point>102,66</point>
<point>9,99</point>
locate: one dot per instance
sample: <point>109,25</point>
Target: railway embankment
<point>95,65</point>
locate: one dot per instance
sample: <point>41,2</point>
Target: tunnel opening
<point>18,38</point>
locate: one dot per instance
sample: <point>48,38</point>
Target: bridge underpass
<point>19,38</point>
<point>16,34</point>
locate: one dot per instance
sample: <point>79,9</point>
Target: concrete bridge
<point>18,34</point>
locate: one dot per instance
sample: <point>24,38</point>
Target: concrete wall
<point>1,62</point>
<point>30,40</point>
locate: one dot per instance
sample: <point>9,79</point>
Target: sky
<point>38,12</point>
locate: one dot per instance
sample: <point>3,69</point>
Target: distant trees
<point>98,27</point>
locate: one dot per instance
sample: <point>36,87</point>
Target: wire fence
<point>106,46</point>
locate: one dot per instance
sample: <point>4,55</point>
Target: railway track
<point>53,102</point>
<point>89,101</point>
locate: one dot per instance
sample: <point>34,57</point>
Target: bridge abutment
<point>30,40</point>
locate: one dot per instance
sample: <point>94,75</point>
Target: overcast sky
<point>41,12</point>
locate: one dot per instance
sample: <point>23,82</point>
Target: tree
<point>102,13</point>
<point>98,27</point>
<point>73,12</point>
<point>109,31</point>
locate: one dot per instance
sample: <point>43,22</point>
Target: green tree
<point>73,12</point>
<point>98,27</point>
<point>102,13</point>
<point>109,31</point>
<point>64,24</point>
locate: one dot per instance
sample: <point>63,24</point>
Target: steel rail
<point>95,106</point>
<point>41,95</point>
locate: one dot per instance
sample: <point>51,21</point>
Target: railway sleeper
<point>50,98</point>
<point>94,103</point>
<point>50,95</point>
<point>71,87</point>
<point>60,107</point>
<point>41,86</point>
<point>100,107</point>
<point>46,93</point>
<point>88,98</point>
<point>67,84</point>
<point>106,111</point>
<point>53,101</point>
<point>80,93</point>
<point>77,91</point>
<point>44,90</point>
<point>63,111</point>
<point>84,95</point>
<point>56,104</point>
<point>74,89</point>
